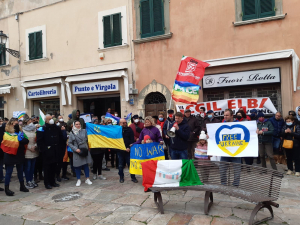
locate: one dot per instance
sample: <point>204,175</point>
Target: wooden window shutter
<point>31,41</point>
<point>267,8</point>
<point>117,29</point>
<point>39,44</point>
<point>250,9</point>
<point>145,18</point>
<point>107,31</point>
<point>158,16</point>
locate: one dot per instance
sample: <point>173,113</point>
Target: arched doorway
<point>155,103</point>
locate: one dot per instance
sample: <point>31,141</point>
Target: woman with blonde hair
<point>150,130</point>
<point>13,146</point>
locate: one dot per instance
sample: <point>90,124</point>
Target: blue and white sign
<point>103,86</point>
<point>42,92</point>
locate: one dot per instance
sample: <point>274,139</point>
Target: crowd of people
<point>44,152</point>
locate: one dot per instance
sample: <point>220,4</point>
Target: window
<point>253,9</point>
<point>2,56</point>
<point>35,41</point>
<point>112,30</point>
<point>152,18</point>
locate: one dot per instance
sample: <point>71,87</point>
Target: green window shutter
<point>39,44</point>
<point>158,17</point>
<point>250,9</point>
<point>145,18</point>
<point>117,29</point>
<point>3,56</point>
<point>31,41</point>
<point>267,8</point>
<point>107,31</point>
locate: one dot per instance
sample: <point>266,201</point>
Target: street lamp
<point>3,40</point>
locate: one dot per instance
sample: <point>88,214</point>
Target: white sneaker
<point>78,183</point>
<point>297,174</point>
<point>101,177</point>
<point>87,181</point>
<point>289,172</point>
<point>94,176</point>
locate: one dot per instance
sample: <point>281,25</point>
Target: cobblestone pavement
<point>110,202</point>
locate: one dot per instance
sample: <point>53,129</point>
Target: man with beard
<point>124,156</point>
<point>49,138</point>
<point>75,116</point>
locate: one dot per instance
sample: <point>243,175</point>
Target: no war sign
<point>142,153</point>
<point>264,104</point>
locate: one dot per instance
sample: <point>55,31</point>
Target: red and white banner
<point>191,70</point>
<point>263,104</point>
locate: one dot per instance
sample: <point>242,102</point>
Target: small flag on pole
<point>42,118</point>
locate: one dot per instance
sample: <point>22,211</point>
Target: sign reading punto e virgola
<point>103,86</point>
<point>42,92</point>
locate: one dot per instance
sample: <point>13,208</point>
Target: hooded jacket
<point>30,131</point>
<point>277,124</point>
<point>267,129</point>
<point>70,122</point>
<point>180,141</point>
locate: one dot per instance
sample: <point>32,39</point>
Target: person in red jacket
<point>137,127</point>
<point>161,121</point>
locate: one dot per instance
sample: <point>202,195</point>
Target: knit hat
<point>146,138</point>
<point>253,111</point>
<point>70,116</point>
<point>260,114</point>
<point>202,136</point>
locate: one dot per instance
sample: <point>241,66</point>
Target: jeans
<point>9,169</point>
<point>178,154</point>
<point>236,170</point>
<point>29,166</point>
<point>266,148</point>
<point>124,158</point>
<point>276,142</point>
<point>1,169</point>
<point>86,171</point>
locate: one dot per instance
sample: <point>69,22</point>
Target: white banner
<point>237,139</point>
<point>263,104</point>
<point>86,117</point>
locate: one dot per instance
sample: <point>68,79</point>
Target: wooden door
<point>155,109</point>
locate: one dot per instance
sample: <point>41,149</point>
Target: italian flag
<point>170,173</point>
<point>42,118</point>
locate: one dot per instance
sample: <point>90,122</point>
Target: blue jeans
<point>29,168</point>
<point>276,142</point>
<point>9,169</point>
<point>236,170</point>
<point>1,169</point>
<point>86,171</point>
<point>178,154</point>
<point>124,158</point>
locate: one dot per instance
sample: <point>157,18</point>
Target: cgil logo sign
<point>94,87</point>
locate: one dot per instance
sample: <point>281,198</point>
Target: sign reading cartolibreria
<point>242,78</point>
<point>94,87</point>
<point>42,92</point>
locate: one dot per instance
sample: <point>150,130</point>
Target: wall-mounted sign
<point>242,78</point>
<point>94,87</point>
<point>42,92</point>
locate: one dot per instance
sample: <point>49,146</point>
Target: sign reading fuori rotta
<point>242,78</point>
<point>94,87</point>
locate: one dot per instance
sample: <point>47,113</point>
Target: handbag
<point>288,144</point>
<point>83,151</point>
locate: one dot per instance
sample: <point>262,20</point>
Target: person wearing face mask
<point>116,114</point>
<point>241,116</point>
<point>265,132</point>
<point>49,138</point>
<point>167,126</point>
<point>14,154</point>
<point>136,127</point>
<point>291,132</point>
<point>210,118</point>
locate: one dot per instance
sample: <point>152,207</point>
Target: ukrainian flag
<point>101,136</point>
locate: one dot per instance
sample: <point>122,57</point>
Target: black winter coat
<point>49,139</point>
<point>128,136</point>
<point>19,158</point>
<point>2,130</point>
<point>295,135</point>
<point>194,128</point>
<point>207,120</point>
<point>180,141</point>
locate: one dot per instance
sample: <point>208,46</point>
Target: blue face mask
<point>289,123</point>
<point>209,116</point>
<point>161,119</point>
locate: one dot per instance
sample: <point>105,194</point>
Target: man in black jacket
<point>194,133</point>
<point>179,143</point>
<point>2,130</point>
<point>124,156</point>
<point>49,138</point>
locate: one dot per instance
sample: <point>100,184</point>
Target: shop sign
<point>242,78</point>
<point>103,86</point>
<point>42,92</point>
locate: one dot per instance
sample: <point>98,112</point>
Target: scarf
<point>75,130</point>
<point>29,127</point>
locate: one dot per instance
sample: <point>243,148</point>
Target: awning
<point>37,83</point>
<point>289,53</point>
<point>5,89</point>
<point>97,76</point>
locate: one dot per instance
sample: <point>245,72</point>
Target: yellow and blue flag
<point>128,118</point>
<point>101,136</point>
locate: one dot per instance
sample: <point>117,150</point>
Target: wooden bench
<point>254,184</point>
